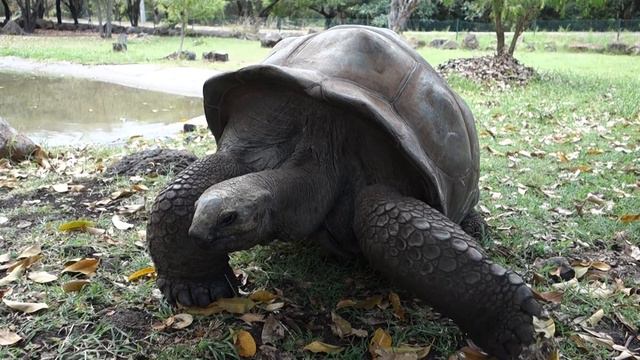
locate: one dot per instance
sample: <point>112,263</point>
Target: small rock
<point>449,45</point>
<point>550,46</point>
<point>189,128</point>
<point>215,56</point>
<point>617,48</point>
<point>560,263</point>
<point>270,40</point>
<point>581,47</point>
<point>44,24</point>
<point>470,42</point>
<point>14,146</point>
<point>117,47</point>
<point>415,43</point>
<point>437,43</point>
<point>184,55</point>
<point>12,28</point>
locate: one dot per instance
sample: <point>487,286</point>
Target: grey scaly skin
<point>420,249</point>
<point>324,183</point>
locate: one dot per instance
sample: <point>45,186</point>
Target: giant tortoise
<point>350,139</point>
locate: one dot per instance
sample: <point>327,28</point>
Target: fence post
<point>457,27</point>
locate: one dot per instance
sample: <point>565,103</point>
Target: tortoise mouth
<point>200,293</point>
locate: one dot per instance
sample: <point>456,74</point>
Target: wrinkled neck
<point>302,197</point>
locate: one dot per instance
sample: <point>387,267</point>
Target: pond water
<point>63,111</point>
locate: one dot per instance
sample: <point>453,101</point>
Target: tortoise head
<point>233,215</point>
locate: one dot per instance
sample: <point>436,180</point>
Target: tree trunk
<point>516,34</point>
<point>399,12</point>
<point>328,14</point>
<point>264,13</point>
<point>40,10</point>
<point>99,8</point>
<point>497,7</point>
<point>58,12</point>
<point>182,31</point>
<point>28,27</point>
<point>327,21</point>
<point>133,10</point>
<point>71,5</point>
<point>7,12</point>
<point>156,15</point>
<point>109,12</point>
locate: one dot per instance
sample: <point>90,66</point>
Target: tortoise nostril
<point>227,218</point>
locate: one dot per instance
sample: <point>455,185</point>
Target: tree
<point>29,13</point>
<point>74,6</point>
<point>399,13</point>
<point>519,14</point>
<point>104,7</point>
<point>133,11</point>
<point>58,12</point>
<point>181,11</point>
<point>7,12</point>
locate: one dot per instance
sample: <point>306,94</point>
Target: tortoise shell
<point>374,73</point>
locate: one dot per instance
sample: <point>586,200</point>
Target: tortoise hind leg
<point>475,225</point>
<point>429,255</point>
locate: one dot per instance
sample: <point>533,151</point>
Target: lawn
<point>560,166</point>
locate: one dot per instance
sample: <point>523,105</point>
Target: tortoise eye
<point>227,218</point>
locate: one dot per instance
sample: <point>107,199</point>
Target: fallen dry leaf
<point>627,218</point>
<point>236,305</point>
<point>398,311</point>
<point>367,304</point>
<point>403,352</point>
<point>340,326</point>
<point>119,224</point>
<point>26,308</point>
<point>232,305</point>
<point>42,277</point>
<point>8,337</point>
<point>469,353</point>
<point>13,275</point>
<point>130,209</point>
<point>60,188</point>
<point>75,285</point>
<point>273,306</point>
<point>181,321</point>
<point>263,296</point>
<point>379,340</point>
<point>320,347</point>
<point>594,319</point>
<point>76,225</point>
<point>245,344</point>
<point>272,331</point>
<point>149,271</point>
<point>86,266</point>
<point>544,326</point>
<point>549,296</point>
<point>31,251</point>
<point>250,318</point>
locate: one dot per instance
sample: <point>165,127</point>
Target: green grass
<point>94,50</point>
<point>538,39</point>
<point>581,103</point>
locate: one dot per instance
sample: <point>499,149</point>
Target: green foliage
<point>184,10</point>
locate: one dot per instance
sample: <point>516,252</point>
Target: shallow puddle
<point>68,111</point>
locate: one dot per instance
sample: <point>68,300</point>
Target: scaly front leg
<point>187,274</point>
<point>431,256</point>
